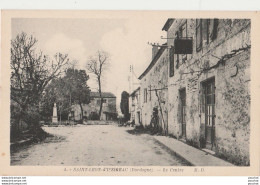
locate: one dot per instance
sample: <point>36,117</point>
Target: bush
<point>94,116</point>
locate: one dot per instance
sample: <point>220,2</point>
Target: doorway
<point>139,117</point>
<point>183,112</point>
<point>209,94</point>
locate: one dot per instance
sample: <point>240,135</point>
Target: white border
<point>234,5</point>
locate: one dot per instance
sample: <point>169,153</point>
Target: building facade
<point>108,107</point>
<point>153,89</point>
<point>135,107</point>
<point>203,78</point>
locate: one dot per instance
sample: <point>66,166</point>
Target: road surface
<point>95,145</point>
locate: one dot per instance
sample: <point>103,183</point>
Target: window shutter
<point>145,95</point>
<point>171,62</point>
<point>205,31</point>
<point>213,26</point>
<point>178,34</point>
<point>150,92</point>
<point>198,35</point>
<point>177,55</point>
<point>177,61</point>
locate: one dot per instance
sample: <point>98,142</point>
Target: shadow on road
<point>139,131</point>
<point>49,138</point>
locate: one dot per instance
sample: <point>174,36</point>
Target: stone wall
<point>93,106</point>
<point>155,81</point>
<point>233,113</point>
<point>230,69</point>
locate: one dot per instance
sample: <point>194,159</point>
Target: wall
<point>156,78</point>
<point>232,78</point>
<point>138,119</point>
<point>135,107</point>
<point>93,106</point>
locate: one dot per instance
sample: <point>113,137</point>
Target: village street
<point>95,145</point>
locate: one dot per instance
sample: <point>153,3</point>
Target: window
<point>145,95</point>
<point>183,111</point>
<point>198,34</point>
<point>209,110</point>
<point>171,72</point>
<point>183,30</point>
<point>104,101</point>
<point>206,31</point>
<point>181,33</point>
<point>98,101</point>
<point>150,92</point>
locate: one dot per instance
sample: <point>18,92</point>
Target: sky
<point>124,39</point>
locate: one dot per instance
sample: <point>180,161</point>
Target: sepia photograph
<point>129,92</point>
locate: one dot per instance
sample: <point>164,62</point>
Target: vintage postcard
<point>129,93</point>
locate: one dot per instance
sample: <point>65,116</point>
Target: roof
<point>132,94</point>
<point>154,60</point>
<point>167,24</point>
<point>104,95</point>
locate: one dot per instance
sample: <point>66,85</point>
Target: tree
<point>67,90</point>
<point>31,72</point>
<point>124,105</point>
<point>56,91</point>
<point>97,65</point>
<point>78,89</point>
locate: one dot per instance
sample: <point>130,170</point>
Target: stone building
<point>153,88</point>
<point>209,86</point>
<point>200,83</point>
<point>135,106</point>
<point>108,109</point>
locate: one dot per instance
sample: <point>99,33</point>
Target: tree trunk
<point>159,101</point>
<point>81,108</point>
<point>60,113</point>
<point>101,98</point>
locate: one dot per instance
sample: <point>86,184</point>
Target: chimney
<point>155,49</point>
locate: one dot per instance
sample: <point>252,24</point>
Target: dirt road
<point>95,145</point>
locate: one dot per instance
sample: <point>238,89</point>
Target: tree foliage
<point>70,89</point>
<point>78,88</point>
<point>55,92</point>
<point>31,71</point>
<point>124,105</point>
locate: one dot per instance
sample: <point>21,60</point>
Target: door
<point>138,117</point>
<point>183,112</point>
<point>210,113</point>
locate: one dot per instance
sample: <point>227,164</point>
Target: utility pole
<point>129,84</point>
<point>130,80</point>
<point>132,73</point>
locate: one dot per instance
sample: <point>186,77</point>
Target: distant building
<point>92,109</point>
<point>135,107</point>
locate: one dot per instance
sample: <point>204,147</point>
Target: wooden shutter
<point>213,26</point>
<point>177,55</point>
<point>205,34</point>
<point>198,35</point>
<point>171,72</point>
